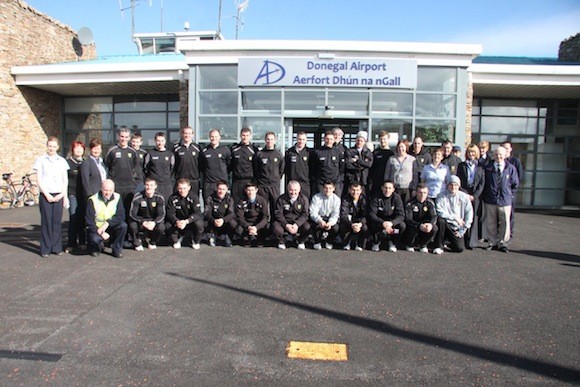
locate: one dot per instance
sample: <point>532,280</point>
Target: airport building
<point>435,90</point>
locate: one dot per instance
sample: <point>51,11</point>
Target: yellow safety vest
<point>104,211</point>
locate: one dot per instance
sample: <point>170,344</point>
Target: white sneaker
<point>317,246</point>
<point>376,247</point>
<point>195,246</point>
<point>424,249</point>
<point>438,251</point>
<point>410,249</point>
<point>282,246</point>
<point>346,247</point>
<point>392,248</point>
<point>212,242</point>
<point>328,246</point>
<point>177,245</point>
<point>151,246</point>
<point>358,248</point>
<point>301,246</point>
<point>139,248</point>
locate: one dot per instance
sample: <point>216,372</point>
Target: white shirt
<point>50,171</point>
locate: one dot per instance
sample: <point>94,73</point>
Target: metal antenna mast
<point>219,27</point>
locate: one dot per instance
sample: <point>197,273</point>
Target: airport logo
<point>270,73</point>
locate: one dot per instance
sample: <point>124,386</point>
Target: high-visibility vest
<point>104,211</point>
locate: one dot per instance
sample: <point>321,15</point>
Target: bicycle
<point>13,195</point>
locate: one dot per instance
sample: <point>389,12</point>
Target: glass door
<point>315,129</point>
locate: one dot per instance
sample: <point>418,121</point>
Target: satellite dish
<point>85,36</point>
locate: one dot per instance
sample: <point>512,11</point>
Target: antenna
<point>161,14</point>
<point>85,36</point>
<point>219,27</point>
<point>135,3</point>
<point>240,7</point>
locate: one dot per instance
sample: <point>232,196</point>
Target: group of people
<point>336,196</point>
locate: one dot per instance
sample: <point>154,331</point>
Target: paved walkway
<point>226,316</point>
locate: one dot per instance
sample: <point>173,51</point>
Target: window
<point>438,79</point>
<point>262,101</point>
<point>87,118</point>
<point>218,77</point>
<point>435,105</point>
<point>304,100</point>
<point>349,101</point>
<point>396,104</point>
<point>435,131</point>
<point>218,102</point>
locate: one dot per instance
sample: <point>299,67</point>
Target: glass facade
<point>545,136</point>
<point>431,110</point>
<point>98,117</point>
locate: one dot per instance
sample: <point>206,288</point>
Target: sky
<point>528,28</point>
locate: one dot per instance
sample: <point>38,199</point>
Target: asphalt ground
<point>220,316</point>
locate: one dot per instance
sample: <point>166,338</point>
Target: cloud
<point>539,38</point>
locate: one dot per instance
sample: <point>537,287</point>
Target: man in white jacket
<point>455,215</point>
<point>324,214</point>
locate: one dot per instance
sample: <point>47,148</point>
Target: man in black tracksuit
<point>252,216</point>
<point>215,162</point>
<point>187,159</point>
<point>291,216</point>
<point>269,170</point>
<point>298,160</point>
<point>359,160</point>
<point>327,163</point>
<point>159,164</point>
<point>122,163</point>
<point>421,154</point>
<point>136,142</point>
<point>449,158</point>
<point>421,220</point>
<point>387,217</point>
<point>147,215</point>
<point>219,216</point>
<point>242,163</point>
<point>184,215</point>
<point>381,156</point>
<point>353,218</point>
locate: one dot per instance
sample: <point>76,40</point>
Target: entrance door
<point>315,129</point>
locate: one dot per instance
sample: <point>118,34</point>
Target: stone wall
<point>569,50</point>
<point>468,113</point>
<point>27,115</point>
<point>183,104</point>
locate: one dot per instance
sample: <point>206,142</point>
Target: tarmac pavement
<point>220,316</point>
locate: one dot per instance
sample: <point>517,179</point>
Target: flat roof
<point>492,76</point>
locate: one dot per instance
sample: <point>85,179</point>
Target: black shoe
<point>117,255</point>
<point>227,241</point>
<point>504,249</point>
<point>254,242</point>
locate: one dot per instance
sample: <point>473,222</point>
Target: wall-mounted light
<point>181,76</point>
<point>327,113</point>
<point>326,55</point>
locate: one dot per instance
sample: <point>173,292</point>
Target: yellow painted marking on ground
<point>14,225</point>
<point>316,351</point>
